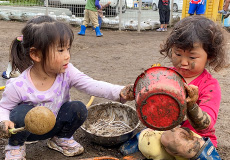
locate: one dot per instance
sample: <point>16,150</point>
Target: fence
<point>120,14</point>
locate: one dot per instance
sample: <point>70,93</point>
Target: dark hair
<point>198,29</point>
<point>42,33</point>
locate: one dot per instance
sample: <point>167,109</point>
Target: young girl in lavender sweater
<point>42,55</point>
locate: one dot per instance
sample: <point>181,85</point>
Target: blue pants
<point>70,117</point>
<point>198,8</point>
<point>164,16</point>
<point>99,21</point>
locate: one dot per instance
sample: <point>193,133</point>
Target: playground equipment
<point>212,8</point>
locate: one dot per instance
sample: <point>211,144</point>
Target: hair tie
<point>20,38</point>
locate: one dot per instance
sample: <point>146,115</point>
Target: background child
<point>164,12</point>
<point>43,57</point>
<point>100,12</point>
<point>197,6</point>
<point>225,9</point>
<point>9,73</point>
<point>12,71</point>
<point>195,43</point>
<point>91,14</point>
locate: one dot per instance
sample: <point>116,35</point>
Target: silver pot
<point>110,123</point>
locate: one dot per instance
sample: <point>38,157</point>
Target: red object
<point>101,158</point>
<point>160,98</point>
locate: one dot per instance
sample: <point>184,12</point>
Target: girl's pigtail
<point>19,58</point>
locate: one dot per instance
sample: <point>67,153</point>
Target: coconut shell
<point>40,120</point>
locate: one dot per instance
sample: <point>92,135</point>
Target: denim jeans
<point>70,117</point>
<point>99,21</point>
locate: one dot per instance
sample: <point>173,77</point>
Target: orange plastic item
<point>101,158</point>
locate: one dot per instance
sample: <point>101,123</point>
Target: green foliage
<point>23,2</point>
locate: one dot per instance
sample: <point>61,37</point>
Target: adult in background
<point>164,12</point>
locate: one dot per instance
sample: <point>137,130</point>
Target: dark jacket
<point>164,4</point>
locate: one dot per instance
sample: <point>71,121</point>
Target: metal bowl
<point>110,123</point>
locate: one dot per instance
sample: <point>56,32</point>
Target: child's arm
<point>10,99</point>
<point>127,93</point>
<point>106,5</point>
<point>97,4</point>
<point>4,126</point>
<point>90,86</point>
<point>199,119</point>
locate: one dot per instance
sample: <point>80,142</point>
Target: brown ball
<point>40,120</point>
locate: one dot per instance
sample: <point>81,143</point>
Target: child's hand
<point>4,126</point>
<point>193,93</point>
<point>127,93</point>
<point>109,2</point>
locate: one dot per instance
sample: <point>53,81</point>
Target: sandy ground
<point>117,57</point>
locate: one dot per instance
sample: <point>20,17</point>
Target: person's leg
<point>182,142</point>
<point>86,18</point>
<point>6,74</point>
<point>200,9</point>
<point>85,22</point>
<point>162,26</point>
<point>17,115</point>
<point>93,16</point>
<point>225,8</point>
<point>70,117</point>
<point>226,5</point>
<point>167,18</point>
<point>162,20</point>
<point>99,21</point>
<point>16,147</point>
<point>165,27</point>
<point>94,19</point>
<point>192,9</point>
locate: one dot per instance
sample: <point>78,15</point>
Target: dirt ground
<point>117,57</point>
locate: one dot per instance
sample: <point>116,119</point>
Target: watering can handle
<point>16,130</point>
